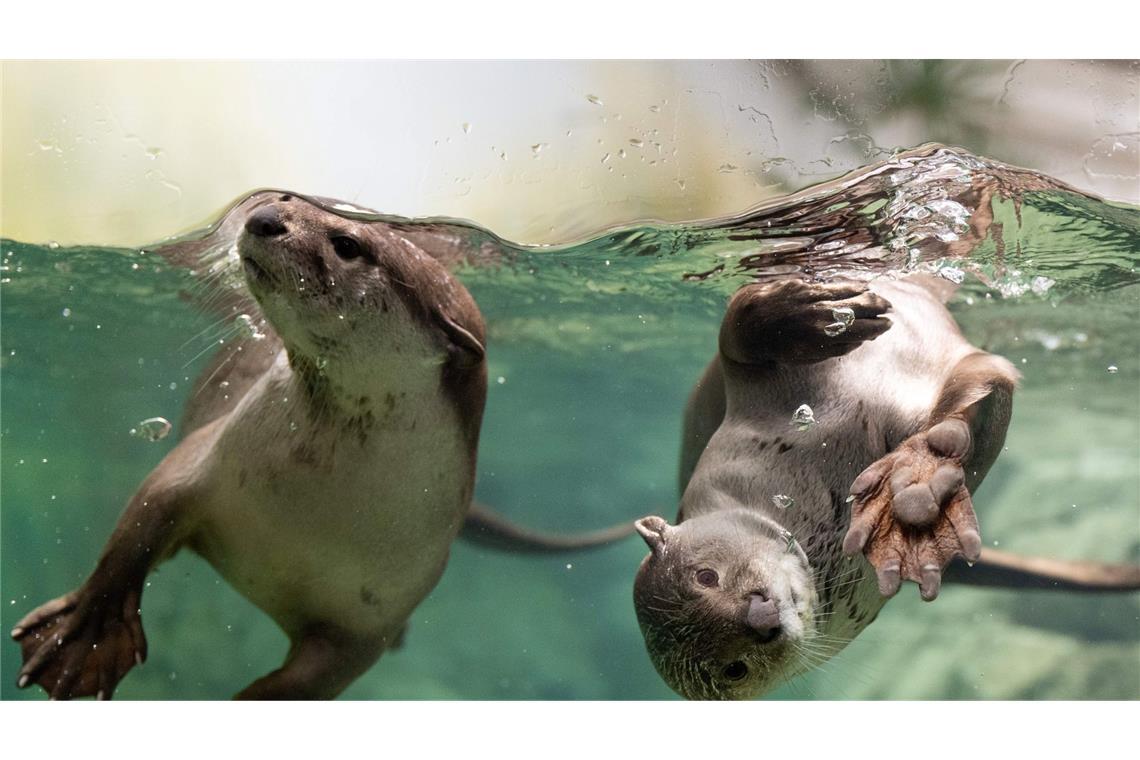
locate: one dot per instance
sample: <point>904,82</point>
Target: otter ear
<point>654,530</point>
<point>469,347</point>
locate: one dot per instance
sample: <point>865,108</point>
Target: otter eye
<point>734,671</point>
<point>346,247</point>
<point>708,578</point>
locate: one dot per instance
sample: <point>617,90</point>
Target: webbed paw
<point>912,513</point>
<point>81,644</point>
<point>800,322</point>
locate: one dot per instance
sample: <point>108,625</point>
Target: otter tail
<point>1004,570</point>
<point>486,528</point>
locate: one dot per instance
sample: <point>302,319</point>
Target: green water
<point>592,350</point>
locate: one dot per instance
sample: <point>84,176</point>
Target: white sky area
<point>129,152</point>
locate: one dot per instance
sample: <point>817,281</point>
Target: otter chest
<point>347,516</point>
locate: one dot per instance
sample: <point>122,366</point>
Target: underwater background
<point>592,349</point>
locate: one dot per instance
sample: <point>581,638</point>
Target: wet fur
<point>739,450</point>
<point>325,472</point>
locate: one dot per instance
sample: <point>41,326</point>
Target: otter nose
<point>265,222</point>
<point>763,617</point>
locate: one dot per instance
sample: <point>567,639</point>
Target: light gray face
<point>320,277</point>
<point>344,292</point>
<point>723,601</point>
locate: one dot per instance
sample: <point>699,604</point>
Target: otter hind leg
<point>912,511</point>
<point>321,663</point>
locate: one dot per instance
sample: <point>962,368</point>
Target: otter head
<point>355,299</point>
<point>724,601</point>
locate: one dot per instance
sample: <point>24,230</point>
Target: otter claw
<point>971,545</point>
<point>889,579</point>
<point>931,582</point>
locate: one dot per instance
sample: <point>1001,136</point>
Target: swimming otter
<point>904,419</point>
<point>328,465</point>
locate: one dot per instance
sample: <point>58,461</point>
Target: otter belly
<point>864,404</point>
<point>325,525</point>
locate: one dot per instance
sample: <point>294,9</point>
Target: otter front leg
<point>912,511</point>
<point>321,663</point>
<point>85,642</point>
<point>795,322</point>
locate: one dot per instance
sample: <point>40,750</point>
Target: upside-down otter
<point>773,519</point>
<point>327,464</point>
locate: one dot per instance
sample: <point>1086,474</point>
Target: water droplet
<point>247,328</point>
<point>803,417</point>
<point>835,328</point>
<point>66,312</point>
<point>537,148</point>
<point>783,501</point>
<point>595,100</point>
<point>501,380</point>
<point>636,143</point>
<point>152,429</point>
<point>466,127</point>
<point>1113,369</point>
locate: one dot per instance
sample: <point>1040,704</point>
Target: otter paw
<point>800,322</point>
<point>912,513</point>
<point>81,644</point>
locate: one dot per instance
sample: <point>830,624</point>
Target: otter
<point>329,461</point>
<point>791,533</point>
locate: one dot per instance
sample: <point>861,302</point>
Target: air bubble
<point>152,429</point>
<point>595,100</point>
<point>835,328</point>
<point>844,315</point>
<point>1041,285</point>
<point>248,328</point>
<point>953,274</point>
<point>803,417</point>
<point>1113,369</point>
